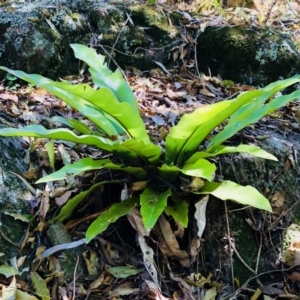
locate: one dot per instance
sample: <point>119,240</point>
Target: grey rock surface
<point>35,36</point>
<point>13,197</point>
<point>255,56</point>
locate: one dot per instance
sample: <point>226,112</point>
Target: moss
<point>263,53</point>
<point>216,246</point>
<point>14,230</point>
<point>246,55</point>
<point>149,16</point>
<point>246,246</point>
<point>58,234</point>
<point>133,43</point>
<point>43,47</point>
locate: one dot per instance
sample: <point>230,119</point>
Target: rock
<point>58,234</point>
<point>279,181</point>
<point>254,56</point>
<point>35,37</point>
<point>13,195</point>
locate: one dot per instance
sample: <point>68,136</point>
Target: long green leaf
<point>281,84</point>
<point>119,113</point>
<point>272,88</point>
<point>103,77</point>
<point>221,149</point>
<point>89,164</point>
<point>187,126</point>
<point>186,136</point>
<point>152,205</point>
<point>252,117</point>
<point>59,134</point>
<point>75,124</point>
<point>72,203</point>
<point>132,151</point>
<point>81,105</point>
<point>34,79</point>
<point>245,195</point>
<point>202,131</point>
<point>111,215</point>
<point>82,165</point>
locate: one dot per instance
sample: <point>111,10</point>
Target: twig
<point>141,48</point>
<point>242,261</point>
<point>195,55</point>
<point>230,244</point>
<point>111,58</point>
<point>7,239</point>
<point>258,253</point>
<point>291,8</point>
<point>269,11</point>
<point>256,276</point>
<point>118,37</point>
<point>77,261</point>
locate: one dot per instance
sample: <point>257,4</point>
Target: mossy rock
<point>35,37</point>
<point>273,179</point>
<point>247,55</point>
<point>13,196</point>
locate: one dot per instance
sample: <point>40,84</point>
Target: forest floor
<point>163,96</point>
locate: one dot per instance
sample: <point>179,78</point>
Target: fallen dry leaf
<point>167,242</point>
<point>11,97</point>
<point>136,222</point>
<point>200,215</point>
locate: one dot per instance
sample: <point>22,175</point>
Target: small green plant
<point>121,131</point>
<point>11,82</point>
<point>217,4</point>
